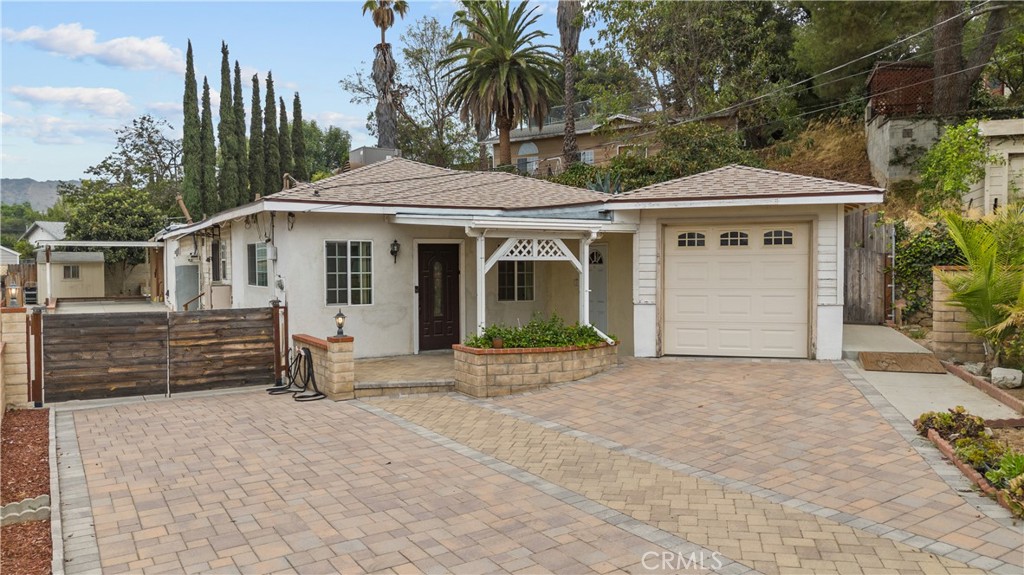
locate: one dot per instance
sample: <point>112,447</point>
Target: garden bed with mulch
<point>24,473</point>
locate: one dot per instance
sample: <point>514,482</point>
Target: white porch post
<point>585,280</point>
<point>481,284</point>
<point>49,278</point>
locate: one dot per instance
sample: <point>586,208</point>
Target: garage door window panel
<point>690,240</point>
<point>778,238</point>
<point>734,239</point>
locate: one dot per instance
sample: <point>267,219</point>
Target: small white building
<point>1004,180</point>
<point>9,257</point>
<point>732,262</point>
<point>44,231</point>
<point>73,275</point>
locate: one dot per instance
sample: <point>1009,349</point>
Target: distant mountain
<point>41,195</point>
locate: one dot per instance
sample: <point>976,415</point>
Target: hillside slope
<point>41,195</point>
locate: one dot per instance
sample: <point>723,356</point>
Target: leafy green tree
<point>382,12</point>
<point>256,165</point>
<point>301,168</point>
<point>271,145</point>
<point>570,23</point>
<point>227,133</point>
<point>15,219</point>
<point>284,141</point>
<point>104,212</point>
<point>611,85</point>
<point>326,150</point>
<point>192,150</point>
<point>1008,67</point>
<point>208,184</point>
<point>954,164</point>
<point>958,64</point>
<point>243,163</point>
<point>500,69</point>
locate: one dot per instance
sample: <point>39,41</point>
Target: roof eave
<point>733,201</point>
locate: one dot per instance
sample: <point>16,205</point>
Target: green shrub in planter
<point>1015,495</point>
<point>1011,465</point>
<point>981,453</point>
<point>951,425</point>
<point>538,333</point>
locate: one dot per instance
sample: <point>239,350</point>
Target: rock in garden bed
<point>25,548</point>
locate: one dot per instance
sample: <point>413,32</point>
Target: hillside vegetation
<point>834,149</point>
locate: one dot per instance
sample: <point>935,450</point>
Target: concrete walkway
<point>727,466</point>
<point>915,393</point>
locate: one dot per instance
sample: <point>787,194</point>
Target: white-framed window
<point>258,264</point>
<point>587,157</point>
<point>778,238</point>
<point>349,269</point>
<point>527,164</point>
<point>690,240</point>
<point>219,261</point>
<point>72,272</point>
<point>734,239</point>
<point>515,281</point>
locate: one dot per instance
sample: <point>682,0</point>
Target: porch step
<point>858,338</point>
<point>399,388</point>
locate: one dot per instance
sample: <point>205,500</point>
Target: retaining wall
<point>494,372</point>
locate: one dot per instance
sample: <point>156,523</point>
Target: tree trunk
<point>570,149</point>
<point>383,79</point>
<point>481,135</point>
<point>504,139</point>
<point>955,75</point>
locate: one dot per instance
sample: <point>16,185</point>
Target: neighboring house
<point>1004,180</point>
<point>73,274</point>
<point>538,150</point>
<point>8,257</point>
<point>735,262</point>
<point>44,231</point>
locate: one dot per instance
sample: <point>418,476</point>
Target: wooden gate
<point>868,285</point>
<point>90,356</point>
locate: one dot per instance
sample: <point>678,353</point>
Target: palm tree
<point>383,14</point>
<point>500,71</point>
<point>570,22</point>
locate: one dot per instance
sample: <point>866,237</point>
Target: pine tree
<point>284,140</point>
<point>227,177</point>
<point>301,169</point>
<point>208,184</point>
<point>271,151</point>
<point>240,144</point>
<point>191,147</point>
<point>255,144</point>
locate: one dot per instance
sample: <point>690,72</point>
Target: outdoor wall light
<point>339,320</point>
<point>12,295</point>
<point>395,246</point>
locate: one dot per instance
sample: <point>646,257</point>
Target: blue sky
<point>73,72</point>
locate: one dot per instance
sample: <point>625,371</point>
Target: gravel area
<point>26,547</point>
<point>25,455</point>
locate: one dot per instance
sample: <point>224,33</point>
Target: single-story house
<point>9,257</point>
<point>71,274</point>
<point>44,231</point>
<point>736,261</point>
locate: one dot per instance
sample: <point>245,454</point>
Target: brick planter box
<point>494,372</point>
<point>968,471</point>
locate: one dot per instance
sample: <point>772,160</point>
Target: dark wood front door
<point>439,295</point>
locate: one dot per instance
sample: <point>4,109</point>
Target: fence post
<point>36,388</point>
<point>275,305</point>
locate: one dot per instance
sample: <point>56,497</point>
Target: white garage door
<point>737,290</point>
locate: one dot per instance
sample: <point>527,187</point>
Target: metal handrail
<point>191,301</point>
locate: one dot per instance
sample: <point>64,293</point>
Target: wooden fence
<point>89,356</point>
<point>868,285</point>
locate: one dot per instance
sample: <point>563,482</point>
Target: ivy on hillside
<point>916,254</point>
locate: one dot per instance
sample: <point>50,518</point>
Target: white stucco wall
<point>890,139</point>
<point>826,293</point>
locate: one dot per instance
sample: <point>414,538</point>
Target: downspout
<point>585,286</point>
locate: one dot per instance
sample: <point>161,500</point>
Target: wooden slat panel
<point>221,348</point>
<point>867,245</point>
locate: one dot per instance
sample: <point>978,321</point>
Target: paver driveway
<point>753,466</point>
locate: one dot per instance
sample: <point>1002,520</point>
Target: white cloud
<point>108,102</point>
<point>76,42</point>
<point>345,121</point>
<point>51,130</point>
<point>172,109</point>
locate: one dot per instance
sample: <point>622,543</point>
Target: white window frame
<point>520,270</point>
<point>587,157</point>
<point>348,275</point>
<point>255,261</point>
<point>76,274</point>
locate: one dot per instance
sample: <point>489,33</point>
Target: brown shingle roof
<point>401,182</point>
<point>738,182</point>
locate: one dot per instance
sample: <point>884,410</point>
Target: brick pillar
<point>950,336</point>
<point>341,368</point>
<point>15,356</point>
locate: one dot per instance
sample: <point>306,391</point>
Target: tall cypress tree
<point>191,147</point>
<point>208,186</point>
<point>271,149</point>
<point>255,144</point>
<point>243,162</point>
<point>301,170</point>
<point>227,135</point>
<point>284,140</point>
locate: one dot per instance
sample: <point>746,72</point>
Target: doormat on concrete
<point>902,362</point>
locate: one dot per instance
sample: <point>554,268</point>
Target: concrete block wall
<point>15,356</point>
<point>333,364</point>
<point>496,372</point>
<point>950,337</point>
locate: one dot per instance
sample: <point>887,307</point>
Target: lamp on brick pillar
<point>339,320</point>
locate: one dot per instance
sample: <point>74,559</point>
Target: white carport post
<point>585,281</point>
<point>49,278</point>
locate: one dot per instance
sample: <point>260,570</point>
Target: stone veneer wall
<point>333,364</point>
<point>15,359</point>
<point>950,337</point>
<point>494,372</point>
